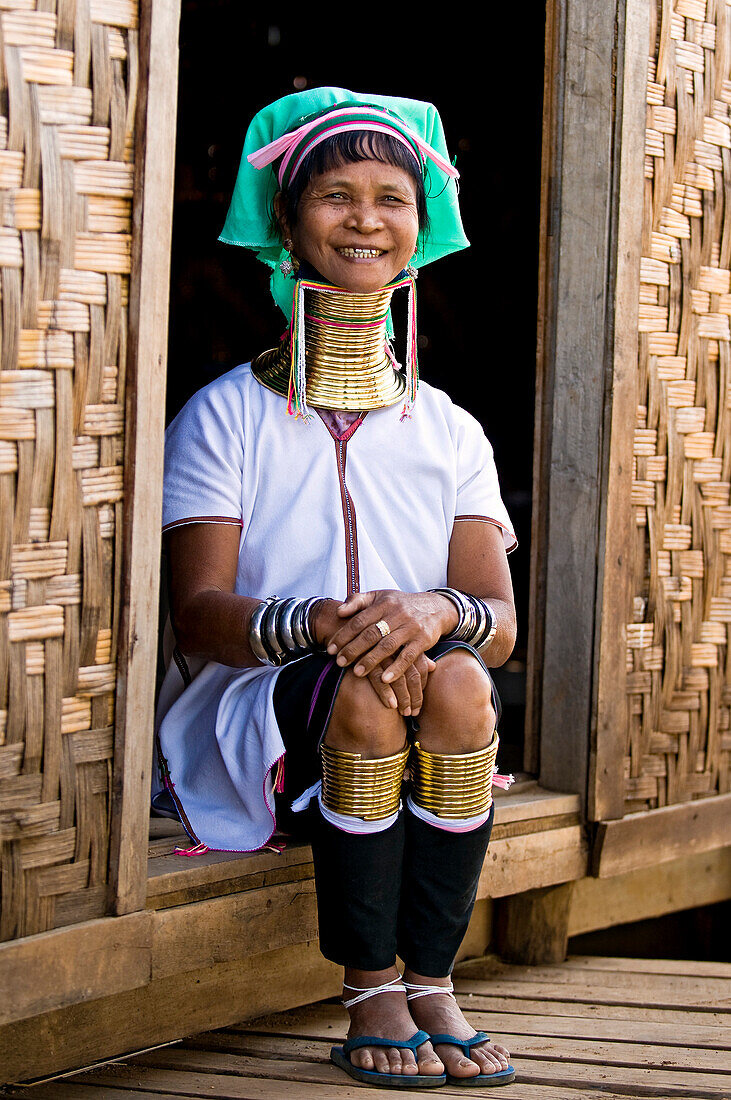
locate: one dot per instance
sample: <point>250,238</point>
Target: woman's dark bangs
<point>356,145</point>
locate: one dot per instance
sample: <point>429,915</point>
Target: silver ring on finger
<point>383,628</point>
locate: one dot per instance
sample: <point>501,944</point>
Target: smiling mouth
<point>361,253</point>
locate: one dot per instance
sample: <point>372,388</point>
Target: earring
<point>411,271</point>
<point>287,267</point>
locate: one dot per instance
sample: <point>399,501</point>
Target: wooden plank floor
<point>588,1029</point>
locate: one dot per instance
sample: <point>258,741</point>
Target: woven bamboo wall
<point>678,656</point>
<point>67,100</point>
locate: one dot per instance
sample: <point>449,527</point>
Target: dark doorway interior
<point>477,310</point>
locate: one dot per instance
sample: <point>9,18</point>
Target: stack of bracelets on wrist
<point>477,622</point>
<point>281,630</point>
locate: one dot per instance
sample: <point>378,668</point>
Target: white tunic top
<point>318,516</point>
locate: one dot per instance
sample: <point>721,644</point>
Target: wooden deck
<point>589,1029</point>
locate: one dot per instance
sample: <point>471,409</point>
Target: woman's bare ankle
<point>384,1013</point>
<point>415,978</point>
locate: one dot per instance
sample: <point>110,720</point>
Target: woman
<point>316,473</point>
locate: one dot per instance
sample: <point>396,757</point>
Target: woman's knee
<point>458,715</point>
<point>361,723</point>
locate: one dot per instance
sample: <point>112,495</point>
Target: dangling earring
<point>412,271</point>
<point>288,266</point>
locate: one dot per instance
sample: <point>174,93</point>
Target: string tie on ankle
<point>426,990</point>
<point>394,986</point>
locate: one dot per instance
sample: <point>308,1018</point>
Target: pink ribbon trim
<point>285,144</point>
<point>344,127</point>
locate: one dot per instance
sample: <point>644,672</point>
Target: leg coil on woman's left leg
<point>453,791</point>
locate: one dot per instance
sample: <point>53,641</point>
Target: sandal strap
<point>465,1044</point>
<point>364,994</point>
<point>375,1041</point>
<point>426,990</point>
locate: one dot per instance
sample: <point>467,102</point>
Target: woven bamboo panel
<point>68,80</point>
<point>678,656</point>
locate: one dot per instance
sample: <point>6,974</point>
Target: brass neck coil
<point>370,789</point>
<point>453,786</point>
<point>347,365</point>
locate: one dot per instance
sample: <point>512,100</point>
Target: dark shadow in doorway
<point>477,309</point>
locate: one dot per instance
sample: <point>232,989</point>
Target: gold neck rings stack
<point>348,365</point>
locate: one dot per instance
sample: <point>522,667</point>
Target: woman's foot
<point>440,1014</point>
<point>386,1016</point>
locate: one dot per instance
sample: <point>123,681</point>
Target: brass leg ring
<point>370,789</point>
<point>453,786</point>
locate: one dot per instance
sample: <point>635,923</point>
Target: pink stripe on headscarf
<point>286,144</point>
<point>344,127</point>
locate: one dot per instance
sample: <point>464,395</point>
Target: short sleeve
<point>478,488</point>
<point>204,449</point>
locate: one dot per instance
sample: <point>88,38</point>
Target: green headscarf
<point>248,222</point>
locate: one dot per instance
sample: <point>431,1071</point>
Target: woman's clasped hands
<point>384,636</point>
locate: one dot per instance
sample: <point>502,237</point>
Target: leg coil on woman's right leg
<point>358,877</point>
<point>361,795</point>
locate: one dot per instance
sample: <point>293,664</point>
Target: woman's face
<point>357,224</point>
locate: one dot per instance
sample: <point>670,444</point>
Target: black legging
<point>406,891</point>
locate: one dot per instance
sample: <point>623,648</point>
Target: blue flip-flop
<point>501,1077</point>
<point>341,1057</point>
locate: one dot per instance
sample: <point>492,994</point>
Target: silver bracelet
<point>297,632</point>
<point>279,630</point>
<point>482,626</point>
<point>284,627</point>
<point>487,626</point>
<point>457,599</point>
<point>269,632</point>
<point>255,638</point>
<point>465,611</point>
<point>477,621</point>
<point>491,629</point>
<point>471,623</point>
<point>306,615</point>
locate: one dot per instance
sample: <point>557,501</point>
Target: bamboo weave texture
<point>68,83</point>
<point>678,656</point>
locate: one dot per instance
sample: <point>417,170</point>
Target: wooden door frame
<point>596,58</point>
<point>591,217</point>
<point>152,210</point>
<point>574,314</point>
<point>596,61</point>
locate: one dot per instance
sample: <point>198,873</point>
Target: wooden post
<point>571,379</point>
<point>546,262</point>
<point>606,776</point>
<point>152,218</point>
<point>532,928</point>
<point>576,416</point>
